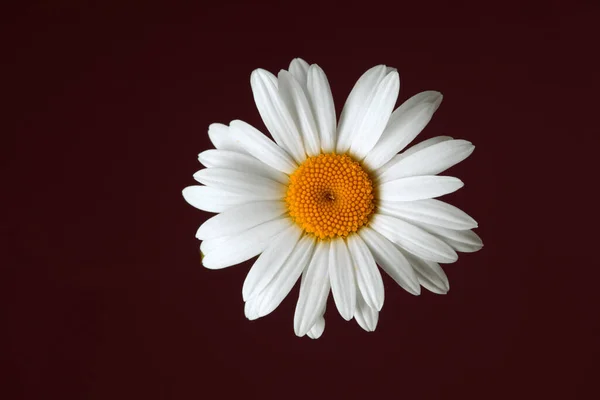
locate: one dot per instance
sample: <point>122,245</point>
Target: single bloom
<point>328,201</point>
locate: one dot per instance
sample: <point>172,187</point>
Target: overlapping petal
<point>270,261</point>
<point>278,288</point>
<point>257,144</point>
<point>240,162</point>
<point>341,275</point>
<point>321,100</point>
<point>314,290</point>
<point>294,97</point>
<point>404,125</point>
<point>242,183</point>
<point>358,100</point>
<point>238,219</point>
<point>275,114</point>
<point>244,246</point>
<point>414,239</point>
<point>391,260</point>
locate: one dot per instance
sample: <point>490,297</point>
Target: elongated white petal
<point>270,261</point>
<point>413,239</point>
<point>240,162</point>
<point>418,188</point>
<point>375,115</point>
<point>411,150</point>
<point>295,99</point>
<point>431,276</point>
<point>319,326</point>
<point>365,315</point>
<point>262,147</point>
<point>208,245</point>
<point>465,241</point>
<point>244,246</point>
<point>251,309</point>
<point>216,200</point>
<point>391,260</point>
<point>404,125</point>
<point>275,114</point>
<point>427,97</point>
<point>470,242</point>
<point>360,95</point>
<point>222,138</point>
<point>321,100</point>
<point>317,329</point>
<point>299,69</point>
<point>430,161</point>
<point>240,182</point>
<point>368,277</point>
<point>314,290</point>
<point>283,281</point>
<point>238,219</point>
<point>424,144</point>
<point>429,211</point>
<point>341,275</point>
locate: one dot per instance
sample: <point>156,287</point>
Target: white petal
<point>419,188</point>
<point>317,329</point>
<point>428,97</point>
<point>314,290</point>
<point>424,144</point>
<point>251,309</point>
<point>240,162</point>
<point>365,315</point>
<point>470,242</point>
<point>430,161</point>
<point>262,147</point>
<point>216,200</point>
<point>299,69</point>
<point>404,125</point>
<point>413,239</point>
<point>409,151</point>
<point>375,115</point>
<point>321,100</point>
<point>431,276</point>
<point>242,247</point>
<point>466,241</point>
<point>270,261</point>
<point>238,219</point>
<point>241,183</point>
<point>295,99</point>
<point>368,277</point>
<point>391,260</point>
<point>355,104</point>
<point>341,275</point>
<point>275,114</point>
<point>222,138</point>
<point>429,211</point>
<point>208,245</point>
<point>279,287</point>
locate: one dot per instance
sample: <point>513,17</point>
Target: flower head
<point>329,201</point>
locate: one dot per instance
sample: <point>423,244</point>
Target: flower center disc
<point>330,195</point>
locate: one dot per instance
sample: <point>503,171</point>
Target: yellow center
<point>330,195</point>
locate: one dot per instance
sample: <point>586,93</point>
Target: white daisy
<point>329,202</point>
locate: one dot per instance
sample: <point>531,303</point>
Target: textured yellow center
<point>330,195</point>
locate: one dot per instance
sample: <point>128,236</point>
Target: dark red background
<point>107,107</point>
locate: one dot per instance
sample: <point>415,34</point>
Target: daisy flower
<point>328,202</point>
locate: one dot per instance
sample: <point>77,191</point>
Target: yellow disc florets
<point>330,195</point>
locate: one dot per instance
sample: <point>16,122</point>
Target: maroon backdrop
<point>107,108</point>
